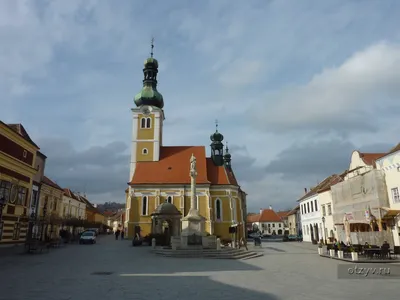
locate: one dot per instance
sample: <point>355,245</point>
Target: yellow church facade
<point>160,173</point>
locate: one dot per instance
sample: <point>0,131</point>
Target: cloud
<point>277,76</point>
<point>100,171</point>
<point>339,99</point>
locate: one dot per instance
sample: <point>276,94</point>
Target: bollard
<point>153,243</point>
<point>218,244</point>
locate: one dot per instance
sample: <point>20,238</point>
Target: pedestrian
<point>122,234</point>
<point>117,234</point>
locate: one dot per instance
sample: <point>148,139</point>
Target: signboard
<point>349,216</point>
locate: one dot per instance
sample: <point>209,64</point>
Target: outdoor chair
<point>396,251</point>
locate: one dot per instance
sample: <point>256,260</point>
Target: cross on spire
<point>226,145</point>
<point>152,47</point>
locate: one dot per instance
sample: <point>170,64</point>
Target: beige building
<point>390,165</point>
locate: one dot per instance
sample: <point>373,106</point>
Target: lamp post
<point>323,223</point>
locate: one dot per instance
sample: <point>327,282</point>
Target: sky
<point>296,86</point>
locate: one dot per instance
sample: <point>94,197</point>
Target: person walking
<point>122,233</point>
<point>117,234</point>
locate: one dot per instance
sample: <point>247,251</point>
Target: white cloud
<point>241,73</point>
<point>339,97</point>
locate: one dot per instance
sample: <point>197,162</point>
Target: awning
<point>390,213</point>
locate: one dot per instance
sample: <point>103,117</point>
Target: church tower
<point>217,148</point>
<point>148,117</point>
<point>227,158</point>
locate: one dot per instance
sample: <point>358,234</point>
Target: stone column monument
<point>193,224</point>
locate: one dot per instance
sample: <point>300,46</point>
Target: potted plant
<point>354,254</point>
<point>340,251</point>
<point>320,245</point>
<point>332,251</point>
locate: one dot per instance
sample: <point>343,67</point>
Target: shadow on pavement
<point>190,287</point>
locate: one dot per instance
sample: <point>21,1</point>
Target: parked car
<point>88,237</point>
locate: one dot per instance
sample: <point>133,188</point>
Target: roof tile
<point>173,168</point>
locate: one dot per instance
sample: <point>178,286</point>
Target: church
<point>160,174</point>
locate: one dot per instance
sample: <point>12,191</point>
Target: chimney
<point>270,207</point>
<point>261,210</point>
<point>305,190</point>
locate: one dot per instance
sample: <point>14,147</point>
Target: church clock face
<point>145,110</point>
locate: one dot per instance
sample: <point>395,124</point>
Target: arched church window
<point>169,199</point>
<point>218,209</point>
<point>145,203</point>
<point>143,123</point>
<point>145,151</point>
<point>148,123</point>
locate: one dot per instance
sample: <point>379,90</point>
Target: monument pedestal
<point>193,229</point>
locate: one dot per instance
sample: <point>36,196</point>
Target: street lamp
<point>323,222</point>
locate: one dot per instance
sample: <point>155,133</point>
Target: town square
<point>114,269</point>
<point>218,149</point>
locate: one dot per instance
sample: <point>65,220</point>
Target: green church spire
<point>149,94</point>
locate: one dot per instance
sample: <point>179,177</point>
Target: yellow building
<point>160,173</point>
<point>51,195</point>
<point>17,169</point>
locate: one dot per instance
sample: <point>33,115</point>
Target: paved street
<point>287,271</point>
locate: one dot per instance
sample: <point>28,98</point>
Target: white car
<point>88,237</point>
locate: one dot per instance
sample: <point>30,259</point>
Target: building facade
<point>294,221</point>
<point>310,216</point>
<point>160,173</point>
<point>73,206</point>
<point>390,165</point>
<point>267,221</point>
<point>17,169</point>
<point>51,195</point>
<point>362,200</point>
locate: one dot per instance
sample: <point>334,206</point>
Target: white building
<point>390,164</point>
<point>327,208</point>
<point>267,221</point>
<point>310,216</point>
<point>311,210</point>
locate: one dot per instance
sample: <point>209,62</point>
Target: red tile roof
<point>51,183</point>
<point>283,214</point>
<point>173,168</point>
<point>267,215</point>
<point>294,210</point>
<point>370,158</point>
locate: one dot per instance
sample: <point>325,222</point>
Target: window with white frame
<point>218,210</point>
<point>169,199</point>
<point>395,195</point>
<point>145,151</point>
<point>145,122</point>
<point>308,207</point>
<point>329,209</point>
<point>316,205</point>
<point>182,201</point>
<point>145,204</point>
<point>312,206</point>
<point>323,210</point>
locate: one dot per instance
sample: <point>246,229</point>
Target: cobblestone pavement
<point>286,271</point>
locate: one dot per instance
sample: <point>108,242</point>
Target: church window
<point>148,123</point>
<point>145,151</point>
<point>218,210</point>
<point>143,123</point>
<point>169,199</point>
<point>145,203</point>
